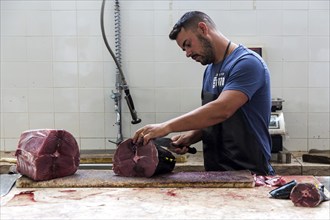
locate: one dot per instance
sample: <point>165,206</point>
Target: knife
<point>7,181</point>
<point>168,143</point>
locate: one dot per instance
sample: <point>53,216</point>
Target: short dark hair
<point>190,20</point>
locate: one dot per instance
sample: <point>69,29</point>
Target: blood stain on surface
<point>22,199</point>
<point>171,193</point>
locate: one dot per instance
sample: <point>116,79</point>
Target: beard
<point>207,56</point>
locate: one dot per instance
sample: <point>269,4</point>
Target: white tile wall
<point>57,73</point>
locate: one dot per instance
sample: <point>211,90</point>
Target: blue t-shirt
<point>244,70</point>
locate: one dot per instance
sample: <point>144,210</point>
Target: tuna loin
<point>46,154</point>
<point>307,195</point>
<point>137,160</point>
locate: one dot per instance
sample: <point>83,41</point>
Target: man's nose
<point>188,53</point>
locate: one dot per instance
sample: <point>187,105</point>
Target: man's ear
<point>202,27</point>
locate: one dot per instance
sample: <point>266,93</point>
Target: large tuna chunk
<point>138,160</point>
<point>47,154</point>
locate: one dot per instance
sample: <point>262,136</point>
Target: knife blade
<point>7,181</point>
<point>168,143</point>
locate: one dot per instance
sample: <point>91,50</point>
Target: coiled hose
<point>121,83</point>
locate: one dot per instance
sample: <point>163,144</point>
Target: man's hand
<point>149,132</point>
<point>185,140</point>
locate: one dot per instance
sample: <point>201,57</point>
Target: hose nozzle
<point>130,104</point>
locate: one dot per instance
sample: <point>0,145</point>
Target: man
<point>236,102</point>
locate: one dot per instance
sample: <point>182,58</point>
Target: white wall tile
<point>242,4</point>
<point>318,125</point>
<point>66,100</point>
<point>270,4</point>
<point>297,4</point>
<point>319,4</point>
<point>65,74</point>
<point>64,23</point>
<point>41,100</point>
<point>11,144</point>
<point>167,51</point>
<point>12,5</point>
<point>276,74</point>
<point>91,125</point>
<point>295,48</point>
<point>318,100</point>
<point>168,75</point>
<point>38,5</point>
<point>11,130</point>
<point>92,143</point>
<point>273,48</point>
<point>167,100</point>
<point>144,78</point>
<point>40,74</point>
<point>2,144</point>
<point>13,23</point>
<point>88,23</point>
<point>144,100</point>
<point>110,73</point>
<point>143,51</point>
<point>39,48</point>
<point>270,22</point>
<point>296,144</point>
<point>65,49</point>
<point>190,98</point>
<point>320,144</point>
<point>91,5</point>
<point>91,100</point>
<point>13,48</point>
<point>90,49</point>
<point>137,23</point>
<point>41,120</point>
<point>207,5</point>
<point>318,74</point>
<point>90,74</point>
<point>164,22</point>
<point>14,100</point>
<point>243,22</point>
<point>63,5</point>
<point>14,75</point>
<point>163,116</point>
<point>318,22</point>
<point>319,49</point>
<point>39,23</point>
<point>296,124</point>
<point>136,5</point>
<point>295,74</point>
<point>295,99</point>
<point>68,122</point>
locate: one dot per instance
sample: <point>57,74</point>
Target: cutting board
<point>107,178</point>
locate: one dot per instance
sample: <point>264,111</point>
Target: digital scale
<point>277,125</point>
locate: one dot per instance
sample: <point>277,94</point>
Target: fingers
<point>148,132</point>
<point>138,136</point>
<point>142,136</point>
<point>179,150</point>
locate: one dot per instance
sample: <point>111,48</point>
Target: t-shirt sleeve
<point>246,75</point>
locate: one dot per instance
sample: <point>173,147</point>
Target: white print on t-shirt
<point>218,80</point>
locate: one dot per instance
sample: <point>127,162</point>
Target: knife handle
<point>191,150</point>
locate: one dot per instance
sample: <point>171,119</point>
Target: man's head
<point>191,33</point>
<point>190,21</point>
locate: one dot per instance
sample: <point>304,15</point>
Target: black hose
<point>129,100</point>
